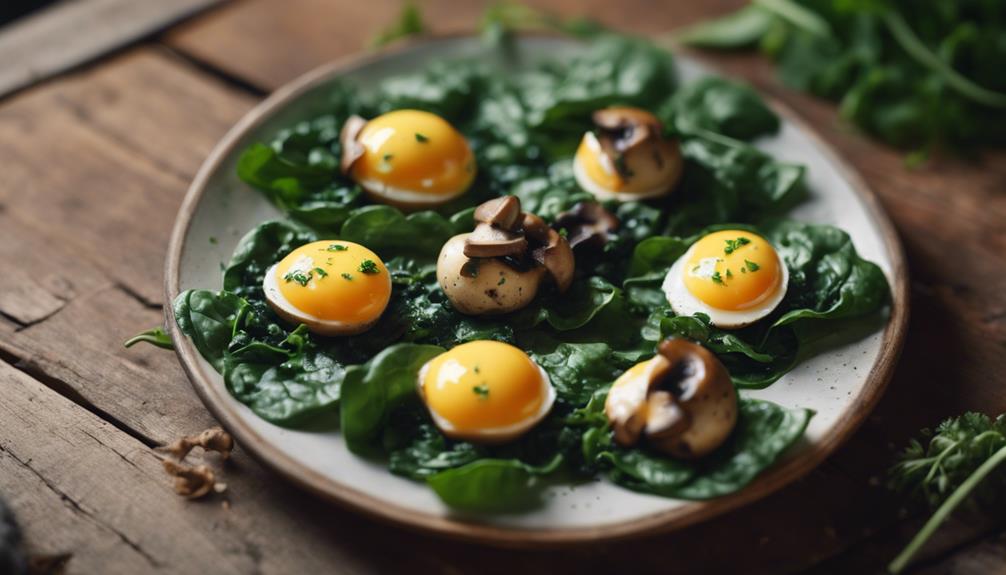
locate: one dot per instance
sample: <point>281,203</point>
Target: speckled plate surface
<point>842,382</point>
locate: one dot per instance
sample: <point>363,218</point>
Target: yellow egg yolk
<point>415,151</point>
<point>482,385</point>
<point>335,281</point>
<point>596,164</point>
<point>732,270</point>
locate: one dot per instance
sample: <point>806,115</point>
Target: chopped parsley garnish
<point>388,157</point>
<point>751,265</point>
<point>321,273</point>
<point>299,277</point>
<point>476,369</point>
<point>482,390</point>
<point>421,138</point>
<point>502,281</point>
<point>346,276</point>
<point>336,248</point>
<point>717,278</point>
<point>368,267</point>
<point>213,240</point>
<point>729,274</point>
<point>733,245</point>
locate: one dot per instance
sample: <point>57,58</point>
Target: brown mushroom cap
<point>557,257</point>
<point>588,224</point>
<point>352,149</point>
<point>490,242</point>
<point>685,404</point>
<point>503,212</point>
<point>622,128</point>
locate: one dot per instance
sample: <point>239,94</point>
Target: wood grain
<point>95,167</point>
<point>242,39</point>
<point>70,33</point>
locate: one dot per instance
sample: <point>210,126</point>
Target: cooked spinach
<point>828,281</point>
<point>764,431</point>
<point>523,127</point>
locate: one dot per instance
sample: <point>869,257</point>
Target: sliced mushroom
<point>628,148</point>
<point>490,242</point>
<point>352,149</point>
<point>621,128</point>
<point>557,257</point>
<point>588,224</point>
<point>534,227</point>
<point>503,212</point>
<point>682,401</point>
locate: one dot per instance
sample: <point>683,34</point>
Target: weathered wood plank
<point>82,488</point>
<point>986,556</point>
<point>269,43</point>
<point>71,33</point>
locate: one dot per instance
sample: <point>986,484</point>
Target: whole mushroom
<point>682,402</point>
<point>499,267</point>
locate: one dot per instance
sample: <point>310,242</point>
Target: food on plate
<point>477,278</point>
<point>333,287</point>
<point>588,226</point>
<point>625,157</point>
<point>407,158</point>
<point>734,277</point>
<point>485,391</point>
<point>498,267</point>
<point>681,401</point>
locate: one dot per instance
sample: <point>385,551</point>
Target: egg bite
<point>407,158</point>
<point>733,276</point>
<point>333,287</point>
<point>485,391</point>
<point>626,157</point>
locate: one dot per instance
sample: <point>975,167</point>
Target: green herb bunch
<point>958,463</point>
<point>917,74</point>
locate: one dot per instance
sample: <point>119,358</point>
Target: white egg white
<point>599,191</point>
<point>491,434</point>
<point>315,324</point>
<point>407,197</point>
<point>684,303</point>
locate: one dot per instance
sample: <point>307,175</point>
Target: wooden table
<point>94,166</point>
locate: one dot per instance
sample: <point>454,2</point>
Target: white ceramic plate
<point>841,384</point>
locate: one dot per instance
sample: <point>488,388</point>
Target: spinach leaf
<point>296,387</point>
<point>828,278</point>
<point>207,317</point>
<point>388,231</point>
<point>726,180</point>
<point>722,106</point>
<point>492,484</point>
<point>370,392</point>
<point>764,431</point>
<point>578,370</point>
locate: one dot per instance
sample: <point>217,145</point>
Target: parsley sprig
<point>960,460</point>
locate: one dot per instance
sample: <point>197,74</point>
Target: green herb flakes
<point>369,267</point>
<point>734,245</point>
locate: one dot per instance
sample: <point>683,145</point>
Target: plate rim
<point>275,459</point>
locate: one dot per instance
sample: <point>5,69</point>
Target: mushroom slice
<point>588,224</point>
<point>684,397</point>
<point>503,212</point>
<point>535,228</point>
<point>622,128</point>
<point>557,257</point>
<point>352,149</point>
<point>490,242</point>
